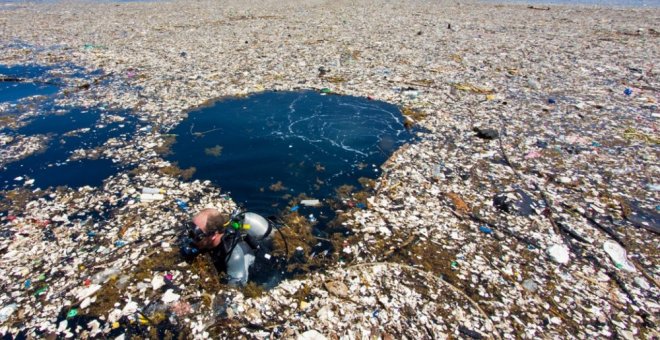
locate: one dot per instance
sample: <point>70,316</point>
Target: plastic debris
<point>104,275</point>
<point>653,187</point>
<point>472,88</point>
<point>486,133</point>
<point>530,285</point>
<point>618,255</point>
<point>152,191</point>
<point>7,311</point>
<point>558,253</point>
<point>183,205</point>
<point>170,296</point>
<point>85,303</point>
<point>642,283</point>
<point>311,335</point>
<point>148,197</point>
<point>485,229</point>
<point>73,312</point>
<point>310,203</point>
<point>88,291</point>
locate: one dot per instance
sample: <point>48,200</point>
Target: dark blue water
<point>13,91</point>
<point>67,129</point>
<point>272,146</point>
<point>49,167</point>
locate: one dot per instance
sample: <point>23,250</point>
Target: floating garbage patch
<point>41,141</point>
<point>293,154</point>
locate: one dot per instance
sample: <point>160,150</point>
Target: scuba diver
<point>232,240</point>
<point>206,228</point>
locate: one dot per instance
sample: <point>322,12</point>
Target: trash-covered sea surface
<point>526,207</point>
<point>542,4</point>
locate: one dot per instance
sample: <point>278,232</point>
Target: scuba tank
<point>246,232</point>
<point>238,264</point>
<point>259,227</point>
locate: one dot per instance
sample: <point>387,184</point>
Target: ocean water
<point>271,147</point>
<point>67,129</point>
<point>267,149</point>
<point>50,167</point>
<point>12,91</point>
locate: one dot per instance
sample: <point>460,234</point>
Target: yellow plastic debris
<point>631,133</point>
<point>472,88</point>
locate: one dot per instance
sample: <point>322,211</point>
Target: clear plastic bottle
<point>7,311</point>
<point>102,277</point>
<point>152,191</point>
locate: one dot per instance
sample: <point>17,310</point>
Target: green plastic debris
<point>326,90</point>
<point>454,264</point>
<point>88,47</point>
<point>41,291</point>
<point>71,313</point>
<point>41,277</point>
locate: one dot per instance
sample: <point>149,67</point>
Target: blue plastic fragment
<point>596,144</point>
<point>28,283</point>
<point>552,100</point>
<point>361,205</point>
<point>183,205</point>
<point>91,234</point>
<point>531,247</point>
<point>120,243</point>
<point>295,208</point>
<point>375,313</point>
<point>485,229</point>
<point>627,91</point>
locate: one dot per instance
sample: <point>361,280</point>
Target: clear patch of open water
<point>67,129</point>
<point>269,147</point>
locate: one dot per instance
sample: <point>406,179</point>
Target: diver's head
<point>206,228</point>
